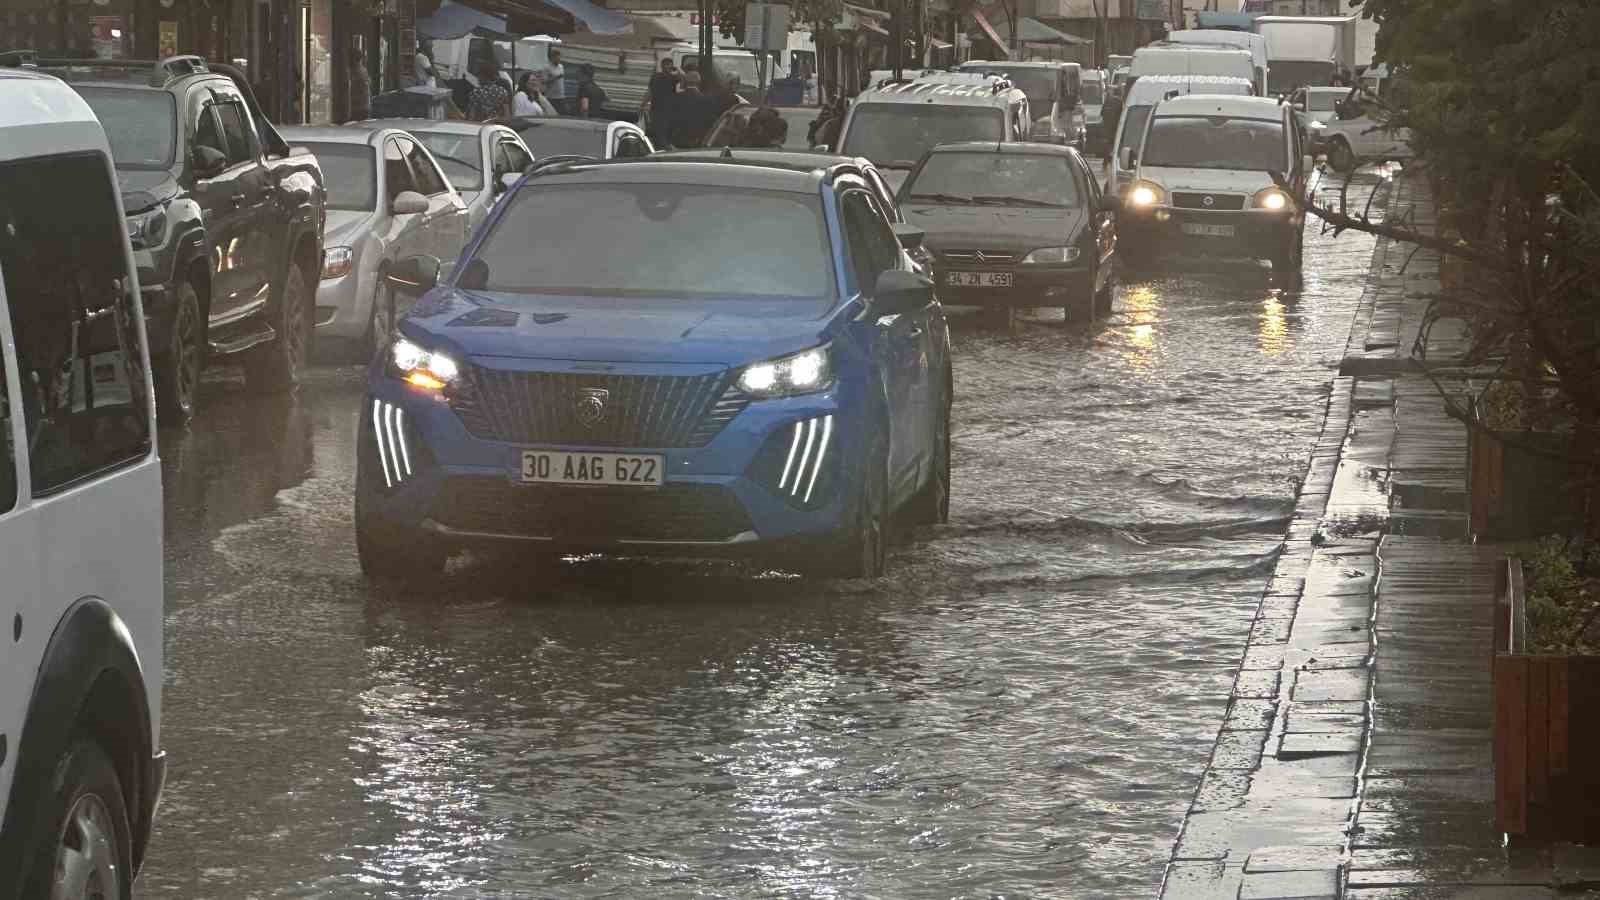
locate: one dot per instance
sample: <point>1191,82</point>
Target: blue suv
<point>689,357</point>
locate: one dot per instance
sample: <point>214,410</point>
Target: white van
<point>1055,96</point>
<point>1173,60</point>
<point>1221,37</point>
<point>1142,97</point>
<point>80,512</point>
<point>1201,182</point>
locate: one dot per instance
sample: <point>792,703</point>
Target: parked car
<point>476,158</point>
<point>388,199</point>
<point>663,356</point>
<point>1014,225</point>
<point>1095,84</point>
<point>587,138</point>
<point>1201,181</point>
<point>1055,97</point>
<point>226,220</point>
<point>1352,131</point>
<point>1314,108</point>
<point>81,765</point>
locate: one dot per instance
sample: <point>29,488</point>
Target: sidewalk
<point>1354,759</point>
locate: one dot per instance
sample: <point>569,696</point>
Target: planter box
<point>1519,493</point>
<point>1546,731</point>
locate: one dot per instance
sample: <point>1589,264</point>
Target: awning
<point>862,18</point>
<point>453,20</point>
<point>869,25</point>
<point>993,35</point>
<point>597,19</point>
<point>937,44</point>
<point>1033,31</point>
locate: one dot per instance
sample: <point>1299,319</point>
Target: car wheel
<point>1290,258</point>
<point>381,325</point>
<point>277,365</point>
<point>1340,156</point>
<point>177,370</point>
<point>1105,298</point>
<point>861,550</point>
<point>89,851</point>
<point>931,506</point>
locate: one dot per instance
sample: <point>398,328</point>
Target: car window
<point>396,174</point>
<point>73,318</point>
<point>141,125</point>
<point>520,158</point>
<point>8,459</point>
<point>885,196</point>
<point>629,146</point>
<point>501,161</point>
<point>458,155</point>
<point>207,133</point>
<point>236,130</point>
<point>872,241</point>
<point>348,171</point>
<point>1215,142</point>
<point>424,171</point>
<point>1001,179</point>
<point>897,134</point>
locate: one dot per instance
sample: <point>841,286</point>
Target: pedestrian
<point>555,82</point>
<point>827,134</point>
<point>489,99</point>
<point>663,85</point>
<point>1110,120</point>
<point>694,112</point>
<point>591,96</point>
<point>529,101</point>
<point>422,66</point>
<point>766,130</point>
<point>360,87</point>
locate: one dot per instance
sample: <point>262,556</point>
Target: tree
<point>814,14</point>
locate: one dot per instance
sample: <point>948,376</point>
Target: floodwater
<point>1022,708</point>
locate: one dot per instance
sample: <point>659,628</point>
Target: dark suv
<point>226,222</point>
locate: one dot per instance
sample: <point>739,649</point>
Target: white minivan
<point>81,768</point>
<point>1142,97</point>
<point>1193,60</point>
<point>1221,37</point>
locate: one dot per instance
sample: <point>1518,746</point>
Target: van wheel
<point>861,549</point>
<point>276,366</point>
<point>177,369</point>
<point>89,852</point>
<point>1340,156</point>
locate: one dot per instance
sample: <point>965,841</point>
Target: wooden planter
<point>1546,730</point>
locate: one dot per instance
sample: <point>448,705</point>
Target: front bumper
<point>344,304</point>
<point>1030,286</point>
<point>1257,233</point>
<point>720,499</point>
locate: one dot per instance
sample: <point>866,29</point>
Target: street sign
<point>766,26</point>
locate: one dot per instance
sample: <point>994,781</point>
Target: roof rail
<point>174,67</point>
<point>162,72</point>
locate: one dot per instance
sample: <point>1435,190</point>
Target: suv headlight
<point>147,229</point>
<point>420,367</point>
<point>1046,256</point>
<point>1146,194</point>
<point>336,262</point>
<point>805,372</point>
<point>1270,199</point>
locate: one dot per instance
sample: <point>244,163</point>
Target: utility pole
<point>705,42</point>
<point>897,38</point>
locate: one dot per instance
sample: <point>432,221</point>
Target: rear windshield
<point>659,240</point>
<point>895,135</point>
<point>141,125</point>
<point>1093,92</point>
<point>1215,142</point>
<point>548,141</point>
<point>350,174</point>
<point>1039,84</point>
<point>997,179</point>
<point>459,155</point>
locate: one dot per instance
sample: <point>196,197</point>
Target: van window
<point>897,134</point>
<point>1133,122</point>
<point>83,380</point>
<point>1215,142</point>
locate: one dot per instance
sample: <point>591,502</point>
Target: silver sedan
<point>476,157</point>
<point>387,199</point>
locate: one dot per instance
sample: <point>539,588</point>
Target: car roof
<point>982,64</point>
<point>1014,148</point>
<point>561,122</point>
<point>438,126</point>
<point>1150,88</point>
<point>793,160</point>
<point>34,98</point>
<point>972,90</point>
<point>1265,108</point>
<point>147,75</point>
<point>669,170</point>
<point>354,133</point>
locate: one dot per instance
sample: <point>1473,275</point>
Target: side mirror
<point>509,180</point>
<point>899,292</point>
<point>407,202</point>
<point>819,148</point>
<point>910,236</point>
<point>208,161</point>
<point>1300,106</point>
<point>414,274</point>
<point>1130,158</point>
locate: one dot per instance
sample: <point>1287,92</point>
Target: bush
<point>1563,599</point>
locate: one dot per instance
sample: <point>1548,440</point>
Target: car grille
<point>639,410</point>
<point>971,257</point>
<point>1219,202</point>
<point>674,512</point>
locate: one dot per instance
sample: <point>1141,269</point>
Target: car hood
<point>142,190</point>
<point>617,330</point>
<point>345,226</point>
<point>1235,181</point>
<point>994,226</point>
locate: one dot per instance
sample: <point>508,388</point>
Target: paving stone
<point>1323,885</point>
<point>1302,722</point>
<point>1258,684</point>
<point>1336,684</point>
<point>1270,631</point>
<point>1264,656</point>
<point>1233,833</point>
<point>1293,859</point>
<point>1278,606</point>
<point>1221,790</point>
<point>1289,780</point>
<point>1449,892</point>
<point>1297,746</point>
<point>1239,749</point>
<point>1250,714</point>
<point>1202,880</point>
<point>1305,708</point>
<point>1330,631</point>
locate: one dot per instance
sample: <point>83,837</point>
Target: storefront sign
<point>169,39</point>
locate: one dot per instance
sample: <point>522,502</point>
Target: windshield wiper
<point>1017,201</point>
<point>942,198</point>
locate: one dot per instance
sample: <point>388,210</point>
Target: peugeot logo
<point>1209,201</point>
<point>982,260</point>
<point>591,406</point>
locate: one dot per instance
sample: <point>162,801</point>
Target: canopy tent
<point>453,20</point>
<point>1033,31</point>
<point>597,19</point>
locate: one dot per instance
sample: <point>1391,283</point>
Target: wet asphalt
<point>1022,708</point>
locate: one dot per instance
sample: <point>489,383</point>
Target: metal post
<point>897,38</point>
<point>705,42</point>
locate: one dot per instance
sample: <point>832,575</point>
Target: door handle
<point>239,198</point>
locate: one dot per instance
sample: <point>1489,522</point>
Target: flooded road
<point>1021,709</point>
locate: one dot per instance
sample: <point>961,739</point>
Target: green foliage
<point>812,14</point>
<point>1563,600</point>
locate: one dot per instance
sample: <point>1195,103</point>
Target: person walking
<point>1110,121</point>
<point>529,101</point>
<point>591,97</point>
<point>360,87</point>
<point>663,85</point>
<point>555,81</point>
<point>489,99</point>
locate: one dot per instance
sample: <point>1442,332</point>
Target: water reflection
<point>1142,306</point>
<point>1274,335</point>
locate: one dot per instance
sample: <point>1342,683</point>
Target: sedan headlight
<point>1146,194</point>
<point>1270,199</point>
<point>1047,256</point>
<point>800,373</point>
<point>420,367</point>
<point>147,229</point>
<point>336,262</point>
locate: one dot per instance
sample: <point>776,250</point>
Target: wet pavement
<point>1023,707</point>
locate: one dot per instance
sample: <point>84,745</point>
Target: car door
<point>446,223</point>
<point>900,345</point>
<point>221,209</point>
<point>1102,224</point>
<point>256,251</point>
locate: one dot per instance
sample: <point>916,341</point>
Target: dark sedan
<point>1014,225</point>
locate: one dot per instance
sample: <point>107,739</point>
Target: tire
<point>178,368</point>
<point>860,550</point>
<point>931,506</point>
<point>1340,156</point>
<point>380,323</point>
<point>1105,298</point>
<point>276,366</point>
<point>88,836</point>
<point>387,551</point>
<point>1289,260</point>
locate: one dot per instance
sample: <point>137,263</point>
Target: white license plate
<point>979,279</point>
<point>1207,230</point>
<point>560,467</point>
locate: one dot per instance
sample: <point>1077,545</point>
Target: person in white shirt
<point>424,67</point>
<point>529,101</point>
<point>555,77</point>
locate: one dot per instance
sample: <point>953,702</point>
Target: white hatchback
<point>80,512</point>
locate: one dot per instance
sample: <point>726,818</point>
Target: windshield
<point>1000,179</point>
<point>1215,142</point>
<point>897,134</point>
<point>349,172</point>
<point>1093,92</point>
<point>459,155</point>
<point>1133,126</point>
<point>1322,101</point>
<point>556,141</point>
<point>1039,84</point>
<point>659,240</point>
<point>141,125</point>
<point>740,67</point>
